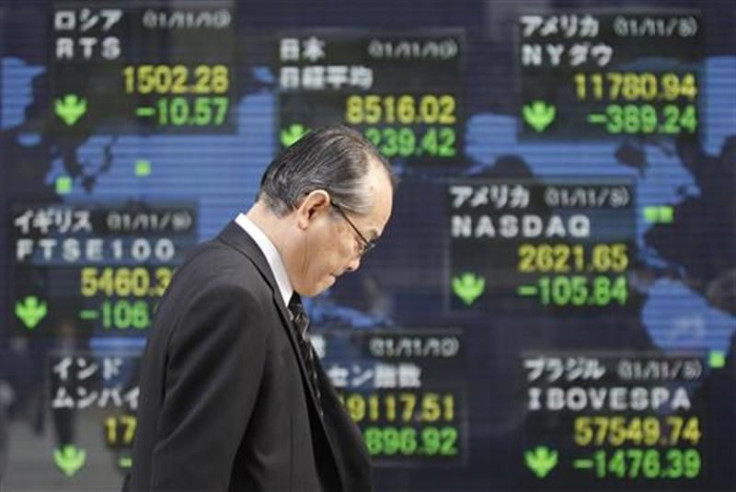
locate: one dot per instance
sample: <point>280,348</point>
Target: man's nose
<point>354,264</point>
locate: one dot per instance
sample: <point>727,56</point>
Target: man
<point>232,396</point>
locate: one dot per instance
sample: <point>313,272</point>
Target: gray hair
<point>335,159</point>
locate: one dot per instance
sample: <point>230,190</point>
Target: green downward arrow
<point>30,311</point>
<point>541,460</point>
<point>70,108</point>
<point>468,287</point>
<point>290,135</point>
<point>539,115</point>
<point>69,459</point>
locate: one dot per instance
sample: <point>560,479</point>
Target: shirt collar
<point>272,256</point>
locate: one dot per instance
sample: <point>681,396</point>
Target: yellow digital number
<point>146,82</point>
<point>390,403</point>
<point>123,281</point>
<point>583,433</point>
<point>449,405</point>
<point>617,432</point>
<point>691,431</point>
<point>168,79</point>
<point>355,403</point>
<point>688,86</point>
<point>601,258</point>
<point>601,425</point>
<point>545,258</point>
<point>179,76</point>
<point>431,410</point>
<point>635,86</point>
<point>374,408</point>
<point>409,402</point>
<point>114,425</point>
<point>406,110</point>
<point>372,107</point>
<point>615,81</point>
<point>130,423</point>
<point>652,431</point>
<point>88,282</point>
<point>447,110</point>
<point>354,110</point>
<point>633,431</point>
<point>163,278</point>
<point>619,257</point>
<point>676,424</point>
<point>684,430</point>
<point>220,79</point>
<point>202,74</point>
<point>105,282</point>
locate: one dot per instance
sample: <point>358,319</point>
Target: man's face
<point>332,246</point>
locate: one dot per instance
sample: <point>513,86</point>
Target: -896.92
<point>409,441</point>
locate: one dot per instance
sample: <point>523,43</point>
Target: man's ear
<point>316,201</point>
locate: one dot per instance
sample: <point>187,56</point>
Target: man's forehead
<point>380,214</point>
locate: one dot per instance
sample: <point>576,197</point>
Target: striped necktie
<point>301,325</point>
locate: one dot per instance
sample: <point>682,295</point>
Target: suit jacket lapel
<point>234,236</point>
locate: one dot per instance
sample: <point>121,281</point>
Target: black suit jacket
<point>225,401</point>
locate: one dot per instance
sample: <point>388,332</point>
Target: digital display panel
<point>145,67</point>
<point>550,307</point>
<point>610,74</point>
<point>404,93</point>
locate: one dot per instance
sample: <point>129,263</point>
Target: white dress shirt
<point>272,256</point>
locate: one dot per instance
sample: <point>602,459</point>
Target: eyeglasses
<point>365,244</point>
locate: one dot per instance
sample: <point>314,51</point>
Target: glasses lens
<point>365,244</point>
